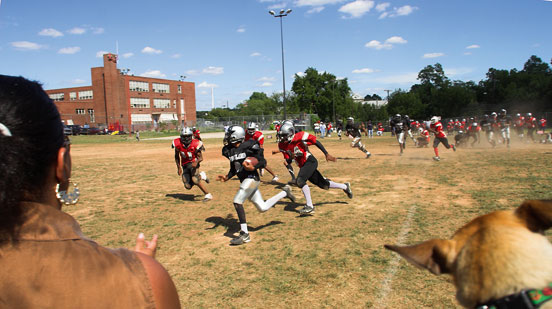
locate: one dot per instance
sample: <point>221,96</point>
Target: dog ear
<point>431,255</point>
<point>537,214</point>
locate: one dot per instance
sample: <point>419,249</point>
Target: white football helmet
<point>251,128</point>
<point>286,133</point>
<point>434,119</point>
<point>236,134</point>
<point>186,135</point>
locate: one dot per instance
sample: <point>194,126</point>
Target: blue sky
<point>233,46</point>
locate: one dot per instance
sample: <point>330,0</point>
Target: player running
<point>487,126</point>
<point>188,156</point>
<point>504,122</point>
<point>352,130</point>
<point>399,126</point>
<point>440,137</point>
<point>531,124</point>
<point>237,150</point>
<point>254,134</point>
<point>296,145</point>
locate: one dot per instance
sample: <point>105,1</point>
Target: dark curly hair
<point>36,135</point>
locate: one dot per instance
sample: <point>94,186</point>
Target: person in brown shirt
<point>45,259</point>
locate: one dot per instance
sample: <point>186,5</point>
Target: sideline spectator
<point>46,260</point>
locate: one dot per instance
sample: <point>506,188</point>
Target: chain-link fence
<point>265,122</point>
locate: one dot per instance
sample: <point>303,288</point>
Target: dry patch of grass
<point>334,258</point>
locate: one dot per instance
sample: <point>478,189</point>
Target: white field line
<point>394,264</point>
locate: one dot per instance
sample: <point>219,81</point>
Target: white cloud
<point>151,50</point>
<point>207,85</point>
<point>467,53</point>
<point>300,74</point>
<point>241,29</point>
<point>400,11</point>
<point>213,70</point>
<point>77,30</point>
<point>317,2</point>
<point>50,32</point>
<point>433,55</point>
<point>192,72</point>
<point>458,71</point>
<point>266,84</point>
<point>315,10</point>
<point>375,44</point>
<point>474,45</point>
<point>277,6</point>
<point>405,78</point>
<point>98,30</point>
<point>176,56</point>
<point>363,71</point>
<point>78,81</point>
<point>154,74</point>
<point>396,40</point>
<point>101,53</point>
<point>128,55</point>
<point>266,79</point>
<point>255,54</point>
<point>26,45</point>
<point>382,6</point>
<point>69,50</point>
<point>405,10</point>
<point>357,8</point>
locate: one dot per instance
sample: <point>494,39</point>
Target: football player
<point>487,126</point>
<point>399,126</point>
<point>519,123</point>
<point>296,145</point>
<point>188,156</point>
<point>352,130</point>
<point>473,131</point>
<point>531,124</point>
<point>440,137</point>
<point>254,134</point>
<point>237,150</point>
<point>504,122</point>
<point>196,133</point>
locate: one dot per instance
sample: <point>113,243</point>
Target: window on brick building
<point>179,88</point>
<point>57,96</point>
<point>139,102</point>
<point>160,88</point>
<point>79,111</point>
<point>161,103</point>
<point>72,96</point>
<point>86,95</point>
<point>134,85</point>
<point>91,114</point>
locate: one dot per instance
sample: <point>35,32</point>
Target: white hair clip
<point>4,130</point>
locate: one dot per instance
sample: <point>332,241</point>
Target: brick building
<point>116,100</point>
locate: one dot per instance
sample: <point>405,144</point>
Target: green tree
<point>406,103</point>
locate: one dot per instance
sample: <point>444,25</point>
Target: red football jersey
<point>530,122</point>
<point>283,147</point>
<point>299,146</point>
<point>439,128</point>
<point>257,136</point>
<point>188,154</point>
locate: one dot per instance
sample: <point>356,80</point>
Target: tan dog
<point>494,256</point>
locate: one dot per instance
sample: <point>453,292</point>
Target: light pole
<point>281,15</point>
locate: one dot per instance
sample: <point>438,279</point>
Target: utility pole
<point>386,90</point>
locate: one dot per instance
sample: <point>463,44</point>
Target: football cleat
<point>436,158</point>
<point>368,154</point>
<point>207,197</point>
<point>307,210</point>
<point>275,178</point>
<point>348,191</point>
<point>289,193</point>
<point>240,240</point>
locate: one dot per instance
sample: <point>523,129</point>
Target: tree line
<point>321,93</point>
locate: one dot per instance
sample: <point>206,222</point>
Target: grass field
<point>334,258</point>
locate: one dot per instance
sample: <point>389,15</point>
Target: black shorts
<point>310,172</point>
<point>443,140</point>
<point>190,175</point>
